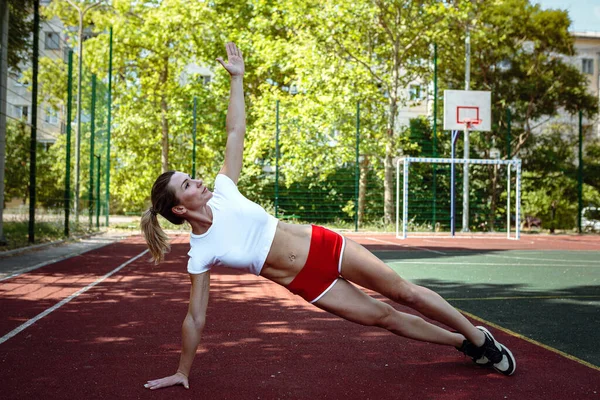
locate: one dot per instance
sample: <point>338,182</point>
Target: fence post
<point>3,89</point>
<point>580,173</point>
<point>92,133</point>
<point>108,123</point>
<point>357,169</point>
<point>34,104</point>
<point>435,109</point>
<point>98,191</point>
<point>277,159</point>
<point>194,140</point>
<point>508,137</point>
<point>68,156</point>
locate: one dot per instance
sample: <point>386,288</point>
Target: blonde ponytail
<point>156,238</point>
<point>163,199</point>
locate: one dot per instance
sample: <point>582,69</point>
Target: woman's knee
<point>384,316</point>
<point>409,294</point>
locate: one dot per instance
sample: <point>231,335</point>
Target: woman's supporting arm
<point>193,324</point>
<point>191,333</point>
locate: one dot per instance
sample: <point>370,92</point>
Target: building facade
<point>587,59</point>
<point>50,121</point>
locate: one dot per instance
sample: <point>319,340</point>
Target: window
<point>201,79</point>
<point>52,41</point>
<point>18,79</point>
<point>51,116</point>
<point>587,66</point>
<point>21,112</point>
<point>415,92</point>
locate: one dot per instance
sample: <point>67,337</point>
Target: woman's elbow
<point>196,322</point>
<point>199,322</point>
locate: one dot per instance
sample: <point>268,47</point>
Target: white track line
<point>42,264</point>
<point>33,320</point>
<point>406,245</point>
<point>543,259</point>
<point>36,266</point>
<point>479,263</point>
<point>448,237</point>
<point>54,260</point>
<point>582,241</point>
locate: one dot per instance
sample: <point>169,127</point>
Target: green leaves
<point>19,33</point>
<point>318,59</point>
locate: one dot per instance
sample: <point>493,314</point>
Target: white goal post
<point>404,163</point>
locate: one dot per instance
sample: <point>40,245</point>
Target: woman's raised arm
<point>236,113</point>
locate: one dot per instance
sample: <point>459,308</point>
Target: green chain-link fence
<point>56,134</point>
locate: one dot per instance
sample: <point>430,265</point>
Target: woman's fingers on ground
<point>168,381</point>
<point>156,384</point>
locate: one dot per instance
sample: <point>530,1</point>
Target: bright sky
<point>585,14</point>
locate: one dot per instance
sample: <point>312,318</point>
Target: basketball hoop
<point>467,110</point>
<point>470,122</point>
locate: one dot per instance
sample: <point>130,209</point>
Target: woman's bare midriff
<point>288,253</point>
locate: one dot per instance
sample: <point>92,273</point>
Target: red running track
<point>261,342</point>
<point>488,242</point>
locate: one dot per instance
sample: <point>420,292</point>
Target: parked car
<point>590,219</point>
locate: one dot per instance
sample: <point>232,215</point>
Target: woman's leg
<point>349,302</point>
<point>361,267</point>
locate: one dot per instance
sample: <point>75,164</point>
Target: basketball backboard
<point>462,106</point>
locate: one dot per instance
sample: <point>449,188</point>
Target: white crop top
<point>240,236</point>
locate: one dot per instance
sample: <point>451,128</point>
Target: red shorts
<point>323,265</point>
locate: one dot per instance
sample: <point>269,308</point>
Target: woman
<point>313,262</point>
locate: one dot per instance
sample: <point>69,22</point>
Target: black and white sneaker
<point>476,353</point>
<point>497,354</point>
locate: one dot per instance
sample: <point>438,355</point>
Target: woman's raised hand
<point>178,379</point>
<point>235,62</point>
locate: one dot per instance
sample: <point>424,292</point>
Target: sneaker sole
<point>502,348</point>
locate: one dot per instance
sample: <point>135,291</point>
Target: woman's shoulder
<point>222,182</point>
<point>201,247</point>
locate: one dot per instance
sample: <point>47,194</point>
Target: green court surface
<point>552,297</point>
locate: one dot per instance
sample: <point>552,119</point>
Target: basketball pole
<point>465,219</point>
<point>452,185</point>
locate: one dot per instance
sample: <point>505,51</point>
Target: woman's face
<point>191,193</point>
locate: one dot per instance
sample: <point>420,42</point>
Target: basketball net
<point>470,122</point>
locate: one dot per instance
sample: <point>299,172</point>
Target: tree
<point>16,48</point>
<point>318,59</point>
<point>17,165</point>
<point>591,163</point>
<point>390,41</point>
<point>154,43</point>
<point>318,94</point>
<point>20,30</point>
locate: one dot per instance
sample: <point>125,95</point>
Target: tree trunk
<point>388,198</point>
<point>362,189</point>
<point>164,108</point>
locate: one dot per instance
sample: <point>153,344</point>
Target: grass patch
<point>134,225</point>
<point>16,233</point>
